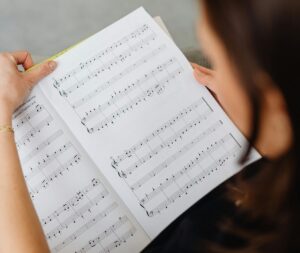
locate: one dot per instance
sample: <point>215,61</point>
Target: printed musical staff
<point>35,130</point>
<point>217,165</point>
<point>167,143</point>
<point>92,222</point>
<point>121,240</point>
<point>42,145</point>
<point>34,170</point>
<point>164,164</point>
<point>157,88</point>
<point>179,134</point>
<point>19,121</point>
<point>121,93</point>
<point>180,116</point>
<point>73,202</point>
<point>140,31</point>
<point>75,160</point>
<point>113,80</point>
<point>105,67</point>
<point>92,243</point>
<point>80,214</point>
<point>169,181</point>
<point>39,136</point>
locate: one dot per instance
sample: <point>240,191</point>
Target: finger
<point>22,57</point>
<point>206,80</point>
<point>202,78</point>
<point>202,69</point>
<point>38,73</point>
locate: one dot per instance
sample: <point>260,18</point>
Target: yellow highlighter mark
<point>55,56</point>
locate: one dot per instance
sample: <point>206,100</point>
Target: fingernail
<point>52,65</point>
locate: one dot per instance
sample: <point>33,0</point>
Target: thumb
<point>36,74</point>
<point>206,79</point>
<point>203,78</point>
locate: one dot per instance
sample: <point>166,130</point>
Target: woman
<point>249,44</point>
<point>253,47</point>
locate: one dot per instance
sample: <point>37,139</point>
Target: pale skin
<point>20,230</point>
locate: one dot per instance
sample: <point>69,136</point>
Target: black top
<point>199,223</point>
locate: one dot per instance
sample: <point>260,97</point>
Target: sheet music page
<point>129,96</point>
<point>78,212</point>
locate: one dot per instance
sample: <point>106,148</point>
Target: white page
<point>77,210</point>
<point>161,140</point>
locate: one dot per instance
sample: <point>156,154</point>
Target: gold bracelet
<point>6,128</point>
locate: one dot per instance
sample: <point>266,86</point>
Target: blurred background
<point>46,27</point>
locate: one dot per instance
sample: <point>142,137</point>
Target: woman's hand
<point>206,77</point>
<point>231,98</point>
<point>20,230</point>
<point>15,85</point>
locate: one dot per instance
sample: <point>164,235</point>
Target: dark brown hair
<point>264,35</point>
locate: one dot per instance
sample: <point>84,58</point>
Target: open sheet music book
<point>120,140</point>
